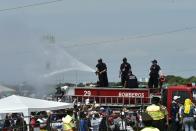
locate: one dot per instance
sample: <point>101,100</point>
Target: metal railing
<point>110,100</point>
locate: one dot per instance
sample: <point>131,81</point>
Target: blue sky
<point>104,29</point>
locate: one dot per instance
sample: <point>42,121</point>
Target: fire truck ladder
<point>111,100</point>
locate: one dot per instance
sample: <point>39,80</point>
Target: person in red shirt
<point>162,79</point>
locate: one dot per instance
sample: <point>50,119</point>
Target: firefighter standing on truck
<point>125,67</point>
<point>154,75</point>
<point>154,110</point>
<point>102,74</point>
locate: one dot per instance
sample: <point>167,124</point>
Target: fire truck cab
<point>184,91</point>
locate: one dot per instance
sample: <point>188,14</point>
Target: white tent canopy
<point>26,105</point>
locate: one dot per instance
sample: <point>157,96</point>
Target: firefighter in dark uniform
<point>131,81</point>
<point>154,75</point>
<point>125,67</point>
<point>102,74</point>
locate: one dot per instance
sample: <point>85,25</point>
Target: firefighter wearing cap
<point>154,75</point>
<point>154,110</point>
<point>102,74</point>
<point>125,67</point>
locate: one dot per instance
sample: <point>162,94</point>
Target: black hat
<point>100,60</point>
<point>155,100</point>
<point>124,59</point>
<point>154,61</point>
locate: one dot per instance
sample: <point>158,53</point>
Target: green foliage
<point>177,80</point>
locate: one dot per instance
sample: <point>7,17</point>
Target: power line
<point>133,37</point>
<point>30,5</point>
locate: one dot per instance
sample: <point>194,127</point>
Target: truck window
<point>183,95</point>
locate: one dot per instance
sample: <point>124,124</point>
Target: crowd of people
<point>128,79</point>
<point>90,116</point>
<point>182,116</point>
<point>86,117</point>
<point>13,122</point>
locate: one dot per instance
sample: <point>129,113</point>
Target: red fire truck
<point>131,98</point>
<point>184,91</point>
